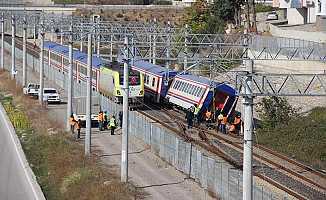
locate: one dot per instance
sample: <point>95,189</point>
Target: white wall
<point>295,34</point>
<point>296,16</point>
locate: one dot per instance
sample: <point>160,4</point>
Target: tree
<point>197,16</point>
<point>204,18</point>
<point>254,20</point>
<point>226,9</point>
<point>274,111</point>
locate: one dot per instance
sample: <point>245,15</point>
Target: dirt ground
<point>175,16</point>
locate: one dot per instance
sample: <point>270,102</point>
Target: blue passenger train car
<point>156,79</point>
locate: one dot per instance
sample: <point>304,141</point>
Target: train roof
<point>202,80</point>
<point>77,55</point>
<point>155,69</point>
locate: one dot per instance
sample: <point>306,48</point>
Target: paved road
<point>146,170</point>
<point>16,178</point>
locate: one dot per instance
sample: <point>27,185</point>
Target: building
<point>303,11</point>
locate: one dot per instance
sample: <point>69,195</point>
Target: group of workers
<point>218,119</point>
<point>103,123</point>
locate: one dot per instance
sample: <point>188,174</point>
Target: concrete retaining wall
<point>303,35</point>
<point>17,180</point>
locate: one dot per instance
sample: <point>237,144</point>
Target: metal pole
<point>111,47</point>
<point>185,60</point>
<point>81,43</point>
<point>2,41</point>
<point>89,97</point>
<point>13,47</point>
<point>167,64</point>
<point>154,43</point>
<point>248,129</point>
<point>41,65</point>
<point>24,53</point>
<point>61,37</point>
<point>125,120</point>
<point>71,80</point>
<point>34,34</point>
<point>98,45</point>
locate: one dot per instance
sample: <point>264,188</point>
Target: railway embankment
<point>58,162</point>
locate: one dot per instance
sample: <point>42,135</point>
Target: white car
<point>272,16</point>
<point>32,89</point>
<point>82,118</point>
<point>51,95</point>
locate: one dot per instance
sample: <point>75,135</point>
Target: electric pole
<point>125,120</point>
<point>89,97</point>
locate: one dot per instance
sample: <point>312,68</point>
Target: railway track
<point>227,147</point>
<point>298,175</point>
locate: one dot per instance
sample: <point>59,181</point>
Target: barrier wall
<point>296,34</point>
<point>17,180</point>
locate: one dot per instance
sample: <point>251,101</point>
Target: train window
<point>202,90</point>
<point>75,66</point>
<point>65,62</point>
<point>190,89</point>
<point>187,88</point>
<point>83,70</point>
<point>180,85</point>
<point>185,85</point>
<point>94,74</point>
<point>184,88</point>
<point>147,79</point>
<point>153,82</point>
<point>54,57</point>
<point>195,91</point>
<point>176,84</point>
<point>192,92</point>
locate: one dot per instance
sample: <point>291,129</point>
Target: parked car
<point>272,16</point>
<point>51,95</point>
<point>31,89</point>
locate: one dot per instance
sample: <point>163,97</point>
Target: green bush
<point>274,111</point>
<point>162,2</point>
<point>263,8</point>
<point>298,136</point>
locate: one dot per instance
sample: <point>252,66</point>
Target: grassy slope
<point>304,139</point>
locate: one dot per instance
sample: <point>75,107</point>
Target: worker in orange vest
<point>100,121</point>
<point>208,117</point>
<point>78,128</point>
<point>223,124</point>
<point>72,123</point>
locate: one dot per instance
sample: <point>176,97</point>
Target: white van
<point>51,95</point>
<point>32,89</point>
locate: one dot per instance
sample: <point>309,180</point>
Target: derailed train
<point>185,90</point>
<point>147,80</point>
